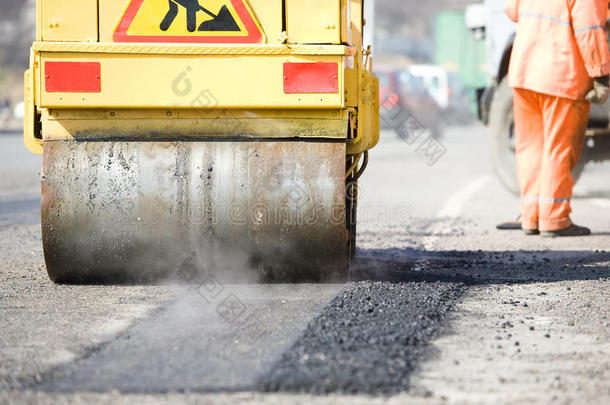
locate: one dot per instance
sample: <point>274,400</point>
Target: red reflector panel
<point>73,77</point>
<point>311,78</point>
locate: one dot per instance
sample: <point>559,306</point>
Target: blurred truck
<point>447,90</point>
<point>399,88</point>
<point>488,22</point>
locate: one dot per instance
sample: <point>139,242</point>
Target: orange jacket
<point>560,45</point>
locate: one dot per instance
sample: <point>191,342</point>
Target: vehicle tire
<point>501,128</point>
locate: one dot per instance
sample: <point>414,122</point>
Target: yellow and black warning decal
<point>188,21</point>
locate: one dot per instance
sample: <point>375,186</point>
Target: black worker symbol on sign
<point>223,21</point>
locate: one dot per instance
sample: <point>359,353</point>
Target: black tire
<point>501,128</point>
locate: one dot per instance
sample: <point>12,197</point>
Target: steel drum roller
<point>242,211</point>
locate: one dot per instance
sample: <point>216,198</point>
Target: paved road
<point>441,307</point>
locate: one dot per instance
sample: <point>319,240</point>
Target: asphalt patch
<point>369,339</point>
<point>189,345</point>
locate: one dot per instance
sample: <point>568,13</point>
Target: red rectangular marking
<point>73,77</point>
<point>320,77</point>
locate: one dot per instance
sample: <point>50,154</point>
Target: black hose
<point>363,167</point>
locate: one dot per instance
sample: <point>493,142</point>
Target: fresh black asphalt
<point>368,340</point>
<point>368,337</point>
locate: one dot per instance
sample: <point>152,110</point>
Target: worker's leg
<point>565,123</point>
<point>529,132</point>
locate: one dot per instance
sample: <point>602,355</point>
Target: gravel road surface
<point>442,308</point>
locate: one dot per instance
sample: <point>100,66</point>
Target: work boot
<point>572,230</point>
<point>510,225</point>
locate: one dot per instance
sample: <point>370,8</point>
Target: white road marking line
<point>452,209</point>
<point>455,204</point>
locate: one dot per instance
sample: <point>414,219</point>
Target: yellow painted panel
<point>80,114</point>
<point>193,49</point>
<point>33,144</point>
<point>69,20</point>
<point>178,81</point>
<point>269,14</point>
<point>356,11</point>
<point>154,124</point>
<point>346,17</point>
<point>110,13</point>
<point>313,21</point>
<point>351,87</point>
<point>368,116</point>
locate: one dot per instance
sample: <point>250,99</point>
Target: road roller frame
<point>160,158</point>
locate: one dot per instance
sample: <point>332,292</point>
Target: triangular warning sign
<point>188,21</point>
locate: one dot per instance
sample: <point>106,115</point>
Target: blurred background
<point>17,30</point>
<point>425,53</point>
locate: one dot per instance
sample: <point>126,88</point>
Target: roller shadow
<point>480,267</point>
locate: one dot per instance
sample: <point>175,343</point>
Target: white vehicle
<point>18,111</point>
<point>446,90</point>
<point>436,81</point>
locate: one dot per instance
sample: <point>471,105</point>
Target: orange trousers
<point>550,136</point>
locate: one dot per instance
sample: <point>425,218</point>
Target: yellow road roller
<point>200,137</point>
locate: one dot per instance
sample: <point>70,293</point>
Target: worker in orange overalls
<point>560,63</point>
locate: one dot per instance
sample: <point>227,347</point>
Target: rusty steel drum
<point>233,210</point>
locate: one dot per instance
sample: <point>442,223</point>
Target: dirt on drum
<point>125,210</point>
